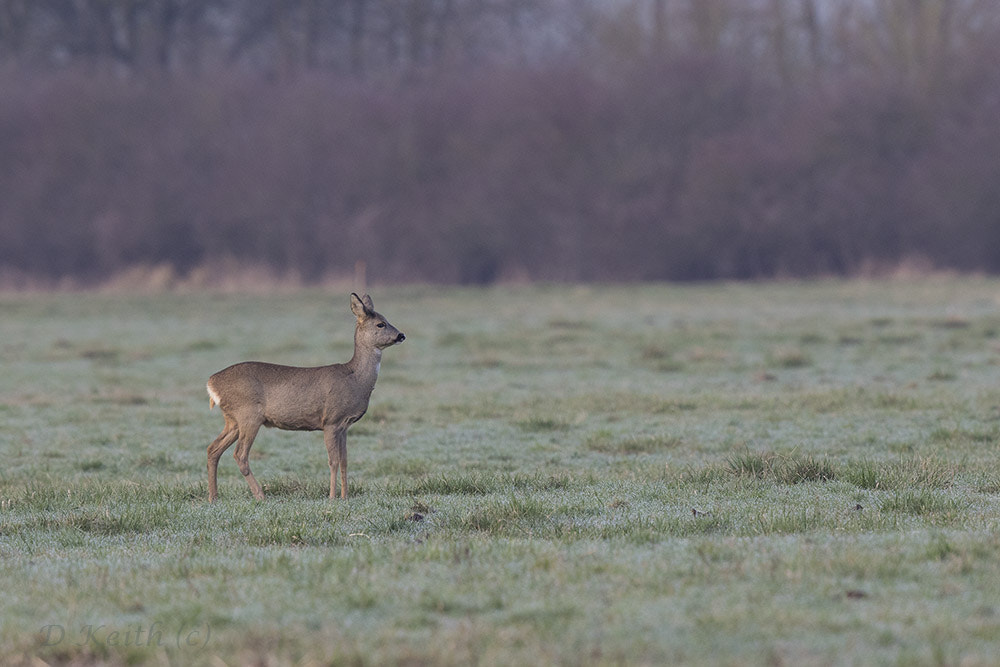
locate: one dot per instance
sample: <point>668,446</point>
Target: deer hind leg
<point>242,455</point>
<point>228,436</point>
<point>333,437</point>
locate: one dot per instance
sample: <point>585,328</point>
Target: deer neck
<point>366,362</point>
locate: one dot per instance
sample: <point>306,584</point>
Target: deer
<point>330,398</point>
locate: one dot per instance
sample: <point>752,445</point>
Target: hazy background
<point>480,140</point>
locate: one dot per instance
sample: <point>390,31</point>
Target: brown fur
<point>252,394</point>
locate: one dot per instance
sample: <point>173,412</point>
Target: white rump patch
<point>213,398</point>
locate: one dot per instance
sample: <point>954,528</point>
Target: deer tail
<point>213,398</point>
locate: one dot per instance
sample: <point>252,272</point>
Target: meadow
<point>734,474</point>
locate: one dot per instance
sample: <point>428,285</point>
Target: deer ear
<point>358,306</point>
<point>367,300</point>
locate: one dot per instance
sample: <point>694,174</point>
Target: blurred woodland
<point>473,141</point>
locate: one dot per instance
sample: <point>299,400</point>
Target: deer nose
<point>401,337</point>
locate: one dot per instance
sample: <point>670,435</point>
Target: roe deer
<point>325,398</point>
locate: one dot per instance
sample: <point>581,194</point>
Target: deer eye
<point>381,325</point>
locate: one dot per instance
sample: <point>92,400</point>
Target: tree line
<point>481,140</point>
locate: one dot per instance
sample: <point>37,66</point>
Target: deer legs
<point>242,456</point>
<point>230,434</point>
<point>336,450</point>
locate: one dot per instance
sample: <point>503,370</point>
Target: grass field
<point>732,474</point>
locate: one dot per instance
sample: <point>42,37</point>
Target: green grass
<point>729,474</point>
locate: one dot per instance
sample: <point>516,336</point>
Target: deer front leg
<point>342,445</point>
<point>336,450</point>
